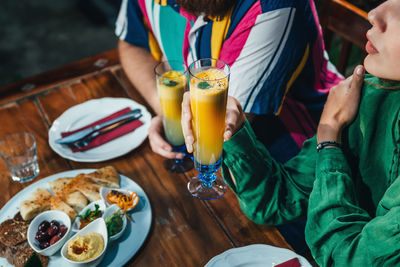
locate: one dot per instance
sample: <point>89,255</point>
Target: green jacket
<point>350,196</point>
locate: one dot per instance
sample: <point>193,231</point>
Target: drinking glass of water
<point>18,151</point>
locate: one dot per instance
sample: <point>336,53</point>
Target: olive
<point>53,230</point>
<point>44,245</point>
<point>42,236</point>
<point>54,222</point>
<point>43,226</point>
<point>62,230</point>
<point>54,239</point>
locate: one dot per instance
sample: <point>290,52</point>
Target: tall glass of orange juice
<point>208,83</point>
<point>171,79</point>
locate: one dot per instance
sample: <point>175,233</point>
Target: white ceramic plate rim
<point>255,255</point>
<point>82,114</point>
<point>123,249</point>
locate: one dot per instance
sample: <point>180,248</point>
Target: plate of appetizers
<point>75,192</point>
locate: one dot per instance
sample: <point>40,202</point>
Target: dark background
<point>39,35</point>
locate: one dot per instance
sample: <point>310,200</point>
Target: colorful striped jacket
<point>274,48</point>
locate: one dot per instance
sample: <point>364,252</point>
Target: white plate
<point>121,250</point>
<point>258,255</point>
<point>93,110</point>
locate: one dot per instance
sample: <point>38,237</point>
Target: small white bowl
<point>97,226</point>
<point>104,191</point>
<point>110,211</point>
<point>77,223</point>
<point>49,215</point>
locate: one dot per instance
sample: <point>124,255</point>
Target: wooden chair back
<point>349,22</point>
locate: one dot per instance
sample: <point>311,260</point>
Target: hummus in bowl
<point>87,247</point>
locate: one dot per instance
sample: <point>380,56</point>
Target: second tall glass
<point>171,78</point>
<point>208,82</point>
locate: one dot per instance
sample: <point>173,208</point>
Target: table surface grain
<point>185,231</point>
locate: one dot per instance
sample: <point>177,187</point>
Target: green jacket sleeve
<point>338,231</point>
<point>268,192</point>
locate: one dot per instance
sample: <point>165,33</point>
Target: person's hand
<point>234,120</point>
<point>157,142</point>
<point>341,107</point>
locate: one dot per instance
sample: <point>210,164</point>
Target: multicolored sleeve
<point>267,49</point>
<point>133,26</point>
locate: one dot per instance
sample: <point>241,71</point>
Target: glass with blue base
<point>208,83</point>
<point>171,79</point>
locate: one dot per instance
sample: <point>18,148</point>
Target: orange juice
<point>208,96</point>
<point>171,86</point>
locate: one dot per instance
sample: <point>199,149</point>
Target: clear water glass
<point>18,151</point>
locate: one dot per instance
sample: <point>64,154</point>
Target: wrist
<point>327,132</point>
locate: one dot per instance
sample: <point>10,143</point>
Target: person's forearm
<point>338,231</point>
<point>138,65</point>
<point>268,192</point>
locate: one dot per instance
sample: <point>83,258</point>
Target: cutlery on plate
<point>134,114</point>
<point>81,143</point>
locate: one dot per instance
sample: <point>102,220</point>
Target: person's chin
<point>371,66</point>
<point>375,67</point>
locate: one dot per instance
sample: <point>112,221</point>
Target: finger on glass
<point>157,143</point>
<point>171,80</point>
<point>187,122</point>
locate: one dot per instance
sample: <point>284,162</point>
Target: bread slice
<point>13,232</point>
<point>57,203</point>
<point>59,185</point>
<point>76,200</point>
<point>37,202</point>
<point>66,189</point>
<point>106,176</point>
<point>87,187</point>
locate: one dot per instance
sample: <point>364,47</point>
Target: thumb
<point>358,77</point>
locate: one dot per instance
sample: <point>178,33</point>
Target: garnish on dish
<point>89,216</point>
<point>124,201</point>
<point>114,223</point>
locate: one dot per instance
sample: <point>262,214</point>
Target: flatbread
<point>37,202</point>
<point>67,190</point>
<point>59,185</point>
<point>57,203</point>
<point>106,176</point>
<point>87,187</point>
<point>76,200</point>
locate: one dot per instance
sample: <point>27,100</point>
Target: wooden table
<point>185,231</point>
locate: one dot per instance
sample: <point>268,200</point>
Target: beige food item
<point>76,200</point>
<point>107,176</point>
<point>57,203</point>
<point>59,185</point>
<point>37,202</point>
<point>80,183</point>
<point>69,193</point>
<point>72,194</point>
<point>87,187</point>
<point>85,247</point>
